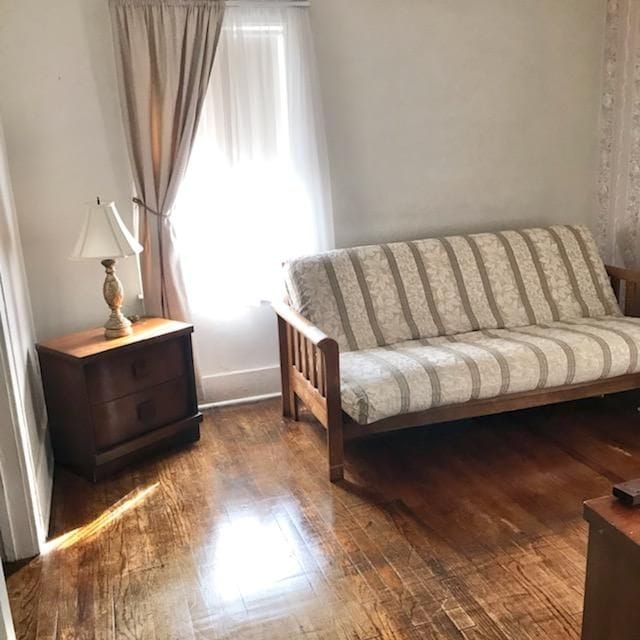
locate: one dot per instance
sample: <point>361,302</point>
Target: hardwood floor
<point>470,530</point>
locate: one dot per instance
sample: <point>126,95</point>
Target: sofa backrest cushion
<point>382,294</point>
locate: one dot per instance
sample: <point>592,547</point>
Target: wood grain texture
<point>609,513</point>
<point>137,413</point>
<point>466,531</point>
<point>89,343</point>
<point>110,405</point>
<point>612,589</point>
<point>120,373</point>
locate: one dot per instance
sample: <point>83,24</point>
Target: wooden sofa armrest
<point>310,371</point>
<point>620,273</point>
<point>630,301</point>
<point>302,325</point>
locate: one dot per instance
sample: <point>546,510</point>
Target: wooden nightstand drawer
<point>122,373</point>
<point>132,415</point>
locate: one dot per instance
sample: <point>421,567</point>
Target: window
<point>256,189</point>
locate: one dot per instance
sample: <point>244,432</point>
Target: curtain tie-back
<point>140,203</point>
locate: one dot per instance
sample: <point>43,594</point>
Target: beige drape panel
<point>164,54</point>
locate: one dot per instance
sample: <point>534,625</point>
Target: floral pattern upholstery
<point>421,374</point>
<point>383,294</point>
<point>433,322</point>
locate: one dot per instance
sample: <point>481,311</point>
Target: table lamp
<point>105,237</point>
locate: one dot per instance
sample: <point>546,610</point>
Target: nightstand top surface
<point>91,342</point>
<point>611,513</point>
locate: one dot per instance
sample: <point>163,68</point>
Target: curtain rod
<point>258,3</point>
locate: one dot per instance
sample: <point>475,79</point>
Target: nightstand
<point>111,402</point>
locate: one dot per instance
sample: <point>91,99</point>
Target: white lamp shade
<point>104,235</point>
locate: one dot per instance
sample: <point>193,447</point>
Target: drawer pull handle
<point>146,411</point>
<point>140,369</point>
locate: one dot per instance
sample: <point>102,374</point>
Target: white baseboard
<point>231,403</point>
<point>240,386</point>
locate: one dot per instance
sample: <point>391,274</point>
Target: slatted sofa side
<point>310,373</point>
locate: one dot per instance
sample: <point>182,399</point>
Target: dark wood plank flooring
<point>470,530</point>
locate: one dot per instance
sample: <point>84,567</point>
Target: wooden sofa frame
<point>310,372</point>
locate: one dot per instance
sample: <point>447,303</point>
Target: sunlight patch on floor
<point>93,528</point>
<point>251,556</point>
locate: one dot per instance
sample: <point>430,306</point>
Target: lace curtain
<point>618,225</point>
<point>256,191</point>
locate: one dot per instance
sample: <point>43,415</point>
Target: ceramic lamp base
<point>117,325</point>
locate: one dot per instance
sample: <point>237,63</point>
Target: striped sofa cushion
<point>421,374</point>
<point>383,294</point>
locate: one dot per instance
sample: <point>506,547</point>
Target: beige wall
<point>450,115</point>
<point>442,115</point>
<point>66,146</point>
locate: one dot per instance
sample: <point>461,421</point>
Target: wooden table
<point>612,592</point>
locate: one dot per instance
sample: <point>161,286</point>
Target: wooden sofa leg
<point>289,405</point>
<point>289,402</point>
<point>335,434</point>
<point>335,446</point>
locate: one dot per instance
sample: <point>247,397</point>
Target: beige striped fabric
<point>380,295</point>
<point>417,375</point>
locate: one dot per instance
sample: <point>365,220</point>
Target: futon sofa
<point>390,336</point>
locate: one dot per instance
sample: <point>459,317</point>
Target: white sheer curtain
<point>256,190</point>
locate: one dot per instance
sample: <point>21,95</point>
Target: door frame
<point>7,630</point>
<point>26,474</point>
<point>21,522</point>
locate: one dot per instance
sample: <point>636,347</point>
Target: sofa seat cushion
<point>417,375</point>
